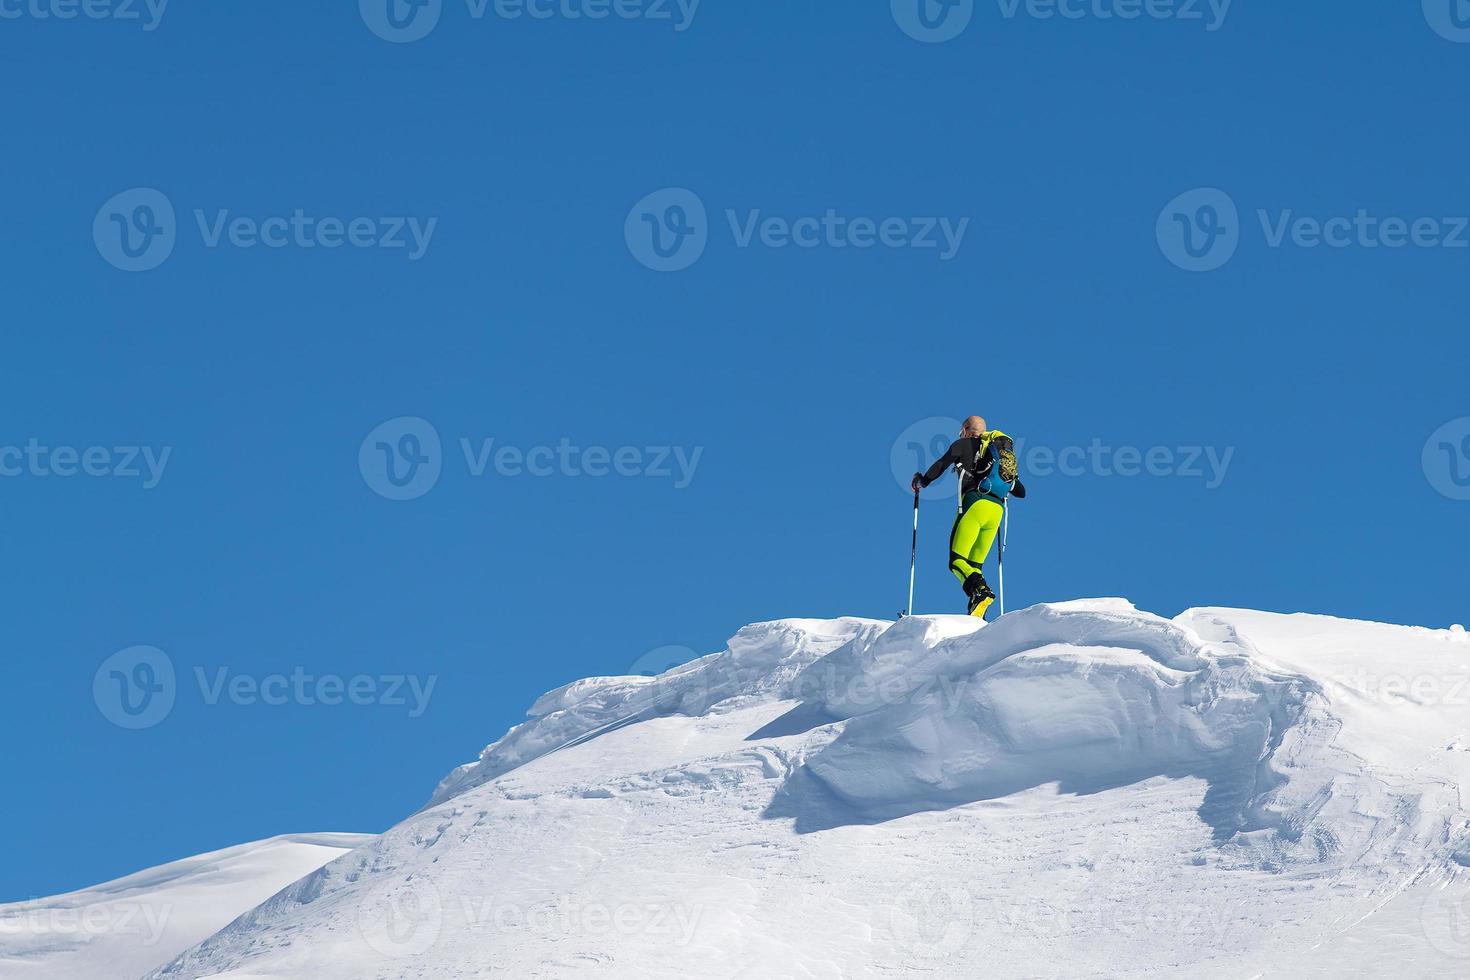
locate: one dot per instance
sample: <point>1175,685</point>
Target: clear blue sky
<point>528,319</point>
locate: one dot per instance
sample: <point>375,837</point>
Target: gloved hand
<point>1019,490</point>
<point>918,483</point>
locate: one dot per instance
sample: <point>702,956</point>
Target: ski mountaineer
<point>988,475</point>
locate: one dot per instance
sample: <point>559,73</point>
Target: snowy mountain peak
<point>128,926</point>
<point>856,798</point>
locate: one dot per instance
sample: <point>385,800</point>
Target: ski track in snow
<point>1078,789</point>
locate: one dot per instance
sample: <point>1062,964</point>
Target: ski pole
<point>1005,525</point>
<point>913,555</point>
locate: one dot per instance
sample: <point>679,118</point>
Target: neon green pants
<point>973,534</point>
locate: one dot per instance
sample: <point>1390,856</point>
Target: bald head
<point>974,427</point>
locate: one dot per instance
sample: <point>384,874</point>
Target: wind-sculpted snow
<point>1078,789</point>
<point>760,661</point>
<point>1088,696</point>
<point>1091,696</point>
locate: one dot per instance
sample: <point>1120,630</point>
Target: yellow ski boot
<point>980,595</point>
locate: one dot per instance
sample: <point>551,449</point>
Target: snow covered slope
<point>125,928</point>
<point>1078,789</point>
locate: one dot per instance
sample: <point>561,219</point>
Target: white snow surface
<point>125,928</point>
<point>1076,790</point>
